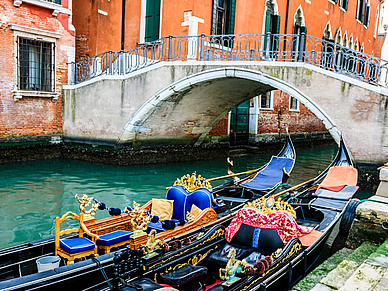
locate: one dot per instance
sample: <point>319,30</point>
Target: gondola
<point>268,244</point>
<point>19,268</point>
<point>263,181</point>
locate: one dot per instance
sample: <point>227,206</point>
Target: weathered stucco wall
<point>180,102</point>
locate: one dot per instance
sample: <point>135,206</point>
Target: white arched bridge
<point>174,90</point>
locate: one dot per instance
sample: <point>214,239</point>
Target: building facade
<point>105,25</point>
<point>37,45</point>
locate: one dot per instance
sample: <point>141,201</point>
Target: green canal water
<point>34,193</point>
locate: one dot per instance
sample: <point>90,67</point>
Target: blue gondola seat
<point>74,248</point>
<point>184,200</point>
<point>114,239</point>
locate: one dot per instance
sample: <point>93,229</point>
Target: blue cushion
<point>76,245</point>
<point>155,225</point>
<point>183,200</point>
<point>271,175</point>
<point>114,237</point>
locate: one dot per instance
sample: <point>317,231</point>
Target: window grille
<point>54,1</point>
<point>265,101</point>
<point>294,104</point>
<point>35,65</point>
<point>343,4</point>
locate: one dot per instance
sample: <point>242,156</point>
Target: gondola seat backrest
<point>77,247</point>
<point>184,200</point>
<point>264,231</point>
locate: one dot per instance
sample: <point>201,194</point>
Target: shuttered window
<point>344,4</point>
<point>35,65</point>
<point>223,19</point>
<point>152,21</point>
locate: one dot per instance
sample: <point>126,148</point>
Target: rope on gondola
<point>166,224</point>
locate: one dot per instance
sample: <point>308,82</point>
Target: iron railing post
<point>202,52</point>
<point>170,48</point>
<point>110,71</point>
<point>121,69</point>
<point>71,73</point>
<point>268,46</point>
<point>301,46</point>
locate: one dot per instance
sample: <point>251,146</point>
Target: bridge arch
<point>134,125</point>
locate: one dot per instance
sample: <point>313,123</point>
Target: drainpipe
<point>285,25</point>
<point>122,24</point>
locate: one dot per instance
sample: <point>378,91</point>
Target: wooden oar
<point>294,187</point>
<point>228,176</point>
<point>233,175</point>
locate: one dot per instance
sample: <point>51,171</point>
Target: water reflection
<point>34,193</point>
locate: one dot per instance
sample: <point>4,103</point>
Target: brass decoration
<point>84,201</point>
<point>192,261</point>
<point>192,183</point>
<point>152,245</point>
<point>189,216</point>
<point>199,236</point>
<point>269,205</point>
<point>139,220</point>
<point>233,267</point>
<point>218,233</point>
<point>277,253</point>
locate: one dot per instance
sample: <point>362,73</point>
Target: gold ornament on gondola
<point>139,220</point>
<point>84,201</point>
<point>152,245</point>
<point>233,267</point>
<point>192,183</point>
<point>270,205</point>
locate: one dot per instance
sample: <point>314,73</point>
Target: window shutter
<point>267,22</point>
<point>346,4</point>
<point>303,45</point>
<point>275,30</point>
<point>214,17</point>
<point>266,28</point>
<point>276,24</point>
<point>231,11</point>
<point>366,17</point>
<point>152,20</point>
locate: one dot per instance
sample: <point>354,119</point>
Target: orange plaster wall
<point>104,32</point>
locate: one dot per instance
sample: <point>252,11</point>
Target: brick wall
<point>31,116</point>
<point>276,120</point>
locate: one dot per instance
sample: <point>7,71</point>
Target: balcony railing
<point>253,47</point>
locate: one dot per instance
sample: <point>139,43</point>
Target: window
<point>343,4</point>
<point>294,104</point>
<point>223,17</point>
<point>376,22</point>
<point>363,11</point>
<point>220,16</point>
<point>35,65</point>
<point>266,101</point>
<point>152,20</point>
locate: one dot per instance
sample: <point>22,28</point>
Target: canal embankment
<point>14,150</point>
<point>363,263</point>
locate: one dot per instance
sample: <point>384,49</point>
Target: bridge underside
<point>180,103</point>
<point>185,116</point>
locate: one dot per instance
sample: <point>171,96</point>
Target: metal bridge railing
<point>253,47</point>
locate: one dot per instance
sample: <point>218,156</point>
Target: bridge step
<point>336,270</point>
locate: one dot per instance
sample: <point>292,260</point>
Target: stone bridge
<point>178,102</point>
